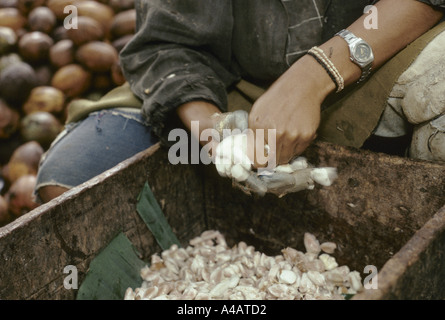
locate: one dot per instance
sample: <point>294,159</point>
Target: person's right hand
<point>291,107</point>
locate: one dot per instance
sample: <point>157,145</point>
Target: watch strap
<point>366,71</point>
<point>348,36</point>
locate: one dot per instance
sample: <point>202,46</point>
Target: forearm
<point>298,94</point>
<point>399,23</point>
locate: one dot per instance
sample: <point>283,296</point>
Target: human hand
<point>292,107</point>
<point>232,161</point>
<point>296,176</point>
<point>231,153</point>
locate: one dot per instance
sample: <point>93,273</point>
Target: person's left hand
<point>230,157</point>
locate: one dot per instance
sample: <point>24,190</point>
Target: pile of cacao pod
<point>51,52</point>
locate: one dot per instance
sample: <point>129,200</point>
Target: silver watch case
<point>360,52</point>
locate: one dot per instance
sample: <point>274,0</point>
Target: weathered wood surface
<point>373,212</point>
<point>417,271</point>
<point>72,229</point>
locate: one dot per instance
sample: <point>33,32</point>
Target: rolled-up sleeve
<point>181,52</point>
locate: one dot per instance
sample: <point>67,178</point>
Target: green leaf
<point>112,271</point>
<point>151,213</point>
<point>118,266</point>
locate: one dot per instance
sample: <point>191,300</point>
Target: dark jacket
<point>186,50</point>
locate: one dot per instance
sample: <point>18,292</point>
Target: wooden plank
<point>75,227</point>
<point>375,207</point>
<point>417,271</point>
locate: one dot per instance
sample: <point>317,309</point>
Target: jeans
<point>91,146</point>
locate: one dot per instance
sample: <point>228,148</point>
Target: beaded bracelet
<point>327,64</point>
<point>330,66</point>
<point>331,75</point>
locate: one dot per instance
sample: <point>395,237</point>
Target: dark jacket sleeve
<point>181,52</point>
<point>438,3</point>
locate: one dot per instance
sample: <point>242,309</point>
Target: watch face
<point>362,52</point>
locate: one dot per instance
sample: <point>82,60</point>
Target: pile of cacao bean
<point>209,269</point>
<point>51,52</point>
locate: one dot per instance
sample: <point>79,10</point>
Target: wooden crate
<point>383,211</point>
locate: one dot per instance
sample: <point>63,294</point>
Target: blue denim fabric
<point>91,146</point>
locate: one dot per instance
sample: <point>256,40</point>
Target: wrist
<point>321,84</point>
<point>200,111</point>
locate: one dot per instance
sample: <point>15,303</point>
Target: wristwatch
<point>360,52</point>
